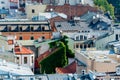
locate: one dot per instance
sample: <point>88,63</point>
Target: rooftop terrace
<point>99,56</point>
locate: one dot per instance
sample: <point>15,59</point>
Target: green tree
<point>69,52</point>
<point>105,6</point>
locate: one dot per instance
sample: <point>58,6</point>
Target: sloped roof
<point>22,51</point>
<point>71,10</point>
<point>68,69</point>
<point>44,55</point>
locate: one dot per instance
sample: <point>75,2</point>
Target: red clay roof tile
<point>22,51</point>
<point>68,69</point>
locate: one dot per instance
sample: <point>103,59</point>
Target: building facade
<point>97,61</point>
<point>34,10</point>
<point>26,30</point>
<point>24,56</point>
<point>4,4</point>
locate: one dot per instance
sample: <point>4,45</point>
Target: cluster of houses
<point>28,26</point>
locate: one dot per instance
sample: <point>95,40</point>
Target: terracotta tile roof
<point>10,42</point>
<point>70,10</point>
<point>22,51</point>
<point>42,56</point>
<point>68,69</point>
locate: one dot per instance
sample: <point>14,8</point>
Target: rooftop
<point>70,10</point>
<point>22,50</point>
<point>71,26</point>
<point>14,69</point>
<point>98,56</point>
<point>38,44</point>
<point>71,68</point>
<point>8,56</point>
<point>25,42</point>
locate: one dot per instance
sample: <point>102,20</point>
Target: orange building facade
<point>26,30</point>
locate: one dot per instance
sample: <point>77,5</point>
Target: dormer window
<point>43,28</point>
<point>32,29</point>
<point>20,28</point>
<point>9,28</point>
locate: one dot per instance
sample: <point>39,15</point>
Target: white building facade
<point>4,4</point>
<point>24,56</point>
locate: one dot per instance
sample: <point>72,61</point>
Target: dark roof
<point>88,16</point>
<point>71,26</point>
<point>100,25</point>
<point>68,69</point>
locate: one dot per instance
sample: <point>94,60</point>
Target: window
<point>43,28</point>
<point>81,46</point>
<point>20,28</point>
<point>20,38</point>
<point>77,46</point>
<point>32,59</point>
<point>85,38</point>
<point>33,11</point>
<point>9,28</point>
<point>32,38</point>
<point>77,37</point>
<point>32,28</point>
<point>43,37</point>
<point>25,60</point>
<point>88,45</point>
<point>2,2</point>
<point>3,7</point>
<point>116,36</point>
<point>81,37</point>
<point>85,46</point>
<point>17,60</point>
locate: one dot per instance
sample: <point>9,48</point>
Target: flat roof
<point>25,42</point>
<point>98,56</point>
